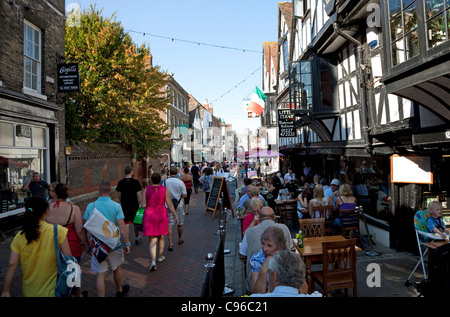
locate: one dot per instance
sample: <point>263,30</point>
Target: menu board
<point>219,185</point>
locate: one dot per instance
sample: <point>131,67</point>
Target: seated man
<point>252,192</point>
<point>287,274</point>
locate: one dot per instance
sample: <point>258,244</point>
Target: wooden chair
<point>339,267</point>
<point>350,224</point>
<point>288,211</point>
<point>312,227</point>
<point>325,212</point>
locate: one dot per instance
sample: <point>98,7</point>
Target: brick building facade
<point>31,110</point>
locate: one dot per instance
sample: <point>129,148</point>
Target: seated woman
<point>318,200</point>
<point>303,202</point>
<point>251,219</point>
<point>272,240</point>
<point>344,201</point>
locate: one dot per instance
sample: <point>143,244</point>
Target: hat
<point>335,182</point>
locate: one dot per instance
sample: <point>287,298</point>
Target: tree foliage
<point>122,97</point>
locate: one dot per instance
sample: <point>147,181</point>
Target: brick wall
<point>90,163</point>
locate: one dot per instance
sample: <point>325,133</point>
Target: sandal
<point>170,248</point>
<point>181,241</point>
<point>161,259</point>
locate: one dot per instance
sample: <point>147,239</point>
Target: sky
<point>225,77</point>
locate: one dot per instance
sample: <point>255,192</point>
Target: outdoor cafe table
<point>312,251</point>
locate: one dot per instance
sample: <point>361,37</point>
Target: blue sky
<point>204,71</point>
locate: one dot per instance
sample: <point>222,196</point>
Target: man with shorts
<point>113,212</point>
<point>177,190</point>
<point>130,195</point>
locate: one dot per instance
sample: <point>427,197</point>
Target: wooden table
<point>312,251</point>
<point>435,244</point>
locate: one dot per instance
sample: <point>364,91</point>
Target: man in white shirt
<point>177,190</point>
<point>290,176</point>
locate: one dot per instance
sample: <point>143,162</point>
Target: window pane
<point>38,137</point>
<point>433,7</point>
<point>398,53</point>
<point>412,44</point>
<point>34,84</point>
<point>28,32</point>
<point>410,17</point>
<point>27,65</point>
<point>395,6</point>
<point>36,52</point>
<point>6,134</point>
<point>23,135</point>
<point>396,27</point>
<point>436,31</point>
<point>27,80</point>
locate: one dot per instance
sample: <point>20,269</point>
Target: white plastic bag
<point>105,230</point>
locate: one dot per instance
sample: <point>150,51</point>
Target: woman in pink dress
<point>156,219</point>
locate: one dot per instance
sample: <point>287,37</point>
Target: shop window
<point>32,57</point>
<point>437,18</point>
<point>403,29</point>
<point>23,150</point>
<point>6,134</point>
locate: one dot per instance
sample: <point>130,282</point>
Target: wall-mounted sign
<point>286,127</point>
<point>68,77</point>
<point>414,169</point>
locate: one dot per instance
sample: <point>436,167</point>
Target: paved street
<point>182,273</point>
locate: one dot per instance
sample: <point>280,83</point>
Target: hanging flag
<point>257,102</point>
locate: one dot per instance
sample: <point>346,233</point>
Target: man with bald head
<point>251,242</point>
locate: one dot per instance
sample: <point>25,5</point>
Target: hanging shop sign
<point>286,126</point>
<point>68,77</point>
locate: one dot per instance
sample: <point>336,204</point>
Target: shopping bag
<point>99,249</point>
<point>139,216</point>
<point>68,278</point>
<point>103,229</point>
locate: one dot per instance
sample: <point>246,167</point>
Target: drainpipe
<point>363,93</point>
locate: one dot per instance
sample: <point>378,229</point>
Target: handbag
<point>139,216</point>
<point>175,202</point>
<point>68,278</point>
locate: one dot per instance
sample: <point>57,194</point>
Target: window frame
<point>38,61</point>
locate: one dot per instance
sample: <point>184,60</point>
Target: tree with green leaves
<point>122,97</point>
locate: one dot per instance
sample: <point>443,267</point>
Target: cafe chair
<point>325,212</point>
<point>312,227</point>
<point>350,224</point>
<point>288,211</point>
<point>422,236</point>
<point>339,267</point>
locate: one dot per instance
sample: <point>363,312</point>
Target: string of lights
<point>193,42</point>
<point>238,84</point>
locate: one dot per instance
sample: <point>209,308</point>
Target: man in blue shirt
<point>113,212</point>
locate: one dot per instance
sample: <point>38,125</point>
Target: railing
<point>214,283</point>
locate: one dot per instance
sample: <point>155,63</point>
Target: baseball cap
<point>335,182</point>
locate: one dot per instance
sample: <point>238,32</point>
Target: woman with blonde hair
<point>318,200</point>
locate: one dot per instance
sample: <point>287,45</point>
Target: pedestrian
<point>156,219</point>
<point>251,242</point>
<point>196,174</point>
<point>206,180</point>
<point>177,190</point>
<point>287,273</point>
<point>36,186</point>
<point>130,195</point>
<point>188,181</point>
<point>69,216</point>
<point>34,248</point>
<point>113,212</point>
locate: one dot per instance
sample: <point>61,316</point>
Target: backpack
<point>206,185</point>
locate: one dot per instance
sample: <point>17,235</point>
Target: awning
<point>8,162</point>
<point>265,154</point>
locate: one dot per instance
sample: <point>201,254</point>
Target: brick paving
<point>181,275</point>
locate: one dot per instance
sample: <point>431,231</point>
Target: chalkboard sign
<point>219,185</point>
